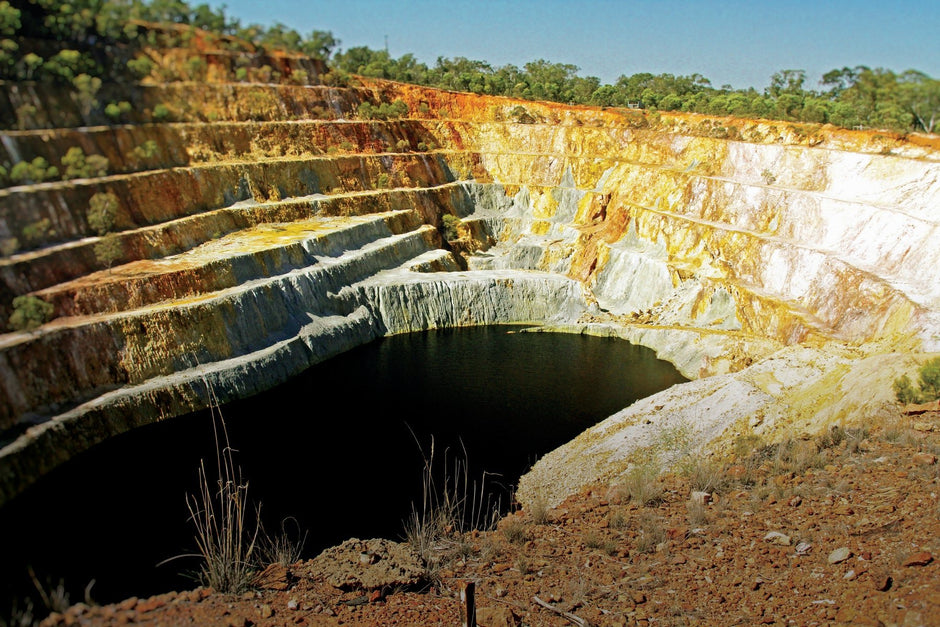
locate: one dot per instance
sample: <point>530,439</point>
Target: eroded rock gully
<point>791,270</point>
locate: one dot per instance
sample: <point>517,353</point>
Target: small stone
<point>850,575</point>
<point>802,548</point>
<point>924,459</point>
<point>701,498</point>
<point>795,501</point>
<point>150,604</point>
<point>840,555</point>
<point>881,583</point>
<point>274,577</point>
<point>638,597</point>
<point>127,604</point>
<point>392,564</point>
<point>677,533</point>
<point>496,617</point>
<point>292,604</point>
<point>778,538</point>
<point>266,611</point>
<point>918,559</point>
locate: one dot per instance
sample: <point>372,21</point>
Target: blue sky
<point>741,43</point>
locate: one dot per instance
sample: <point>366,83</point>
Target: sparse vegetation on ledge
<point>928,388</point>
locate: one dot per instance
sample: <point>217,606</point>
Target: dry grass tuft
<point>797,456</point>
<point>514,530</point>
<point>643,486</point>
<point>229,539</point>
<point>538,510</point>
<point>285,548</point>
<point>618,520</point>
<point>652,532</point>
<point>697,516</point>
<point>704,475</point>
<point>597,540</point>
<point>448,509</point>
<point>225,537</point>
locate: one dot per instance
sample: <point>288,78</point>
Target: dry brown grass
<point>705,475</point>
<point>599,541</point>
<point>697,516</point>
<point>514,530</point>
<point>449,508</point>
<point>538,510</point>
<point>618,520</point>
<point>225,536</point>
<point>642,485</point>
<point>651,532</point>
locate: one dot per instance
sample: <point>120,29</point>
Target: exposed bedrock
<point>791,271</point>
<point>262,339</point>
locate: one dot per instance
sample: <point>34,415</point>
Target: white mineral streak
<point>426,301</point>
<point>635,277</point>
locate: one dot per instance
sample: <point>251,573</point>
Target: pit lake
<point>337,452</point>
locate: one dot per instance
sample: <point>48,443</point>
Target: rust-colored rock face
<point>260,228</point>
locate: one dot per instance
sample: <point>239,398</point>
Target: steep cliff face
<point>775,263</point>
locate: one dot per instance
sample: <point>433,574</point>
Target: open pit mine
<point>791,271</point>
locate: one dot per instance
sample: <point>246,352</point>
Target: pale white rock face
<point>403,303</point>
<point>797,390</point>
<point>838,242</point>
<point>632,281</point>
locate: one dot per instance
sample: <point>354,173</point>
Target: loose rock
<point>840,555</point>
<point>496,617</point>
<point>918,559</point>
<point>391,564</point>
<point>778,538</point>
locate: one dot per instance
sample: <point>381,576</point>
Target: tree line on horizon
<point>849,97</point>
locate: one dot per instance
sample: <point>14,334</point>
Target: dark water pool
<point>340,449</point>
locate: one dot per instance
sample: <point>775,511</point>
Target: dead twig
<point>576,620</point>
<point>468,609</point>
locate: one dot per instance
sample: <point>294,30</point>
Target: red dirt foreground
<point>838,530</point>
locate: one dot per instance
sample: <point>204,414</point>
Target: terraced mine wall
<point>791,269</point>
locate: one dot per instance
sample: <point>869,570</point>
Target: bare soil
<point>838,530</point>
